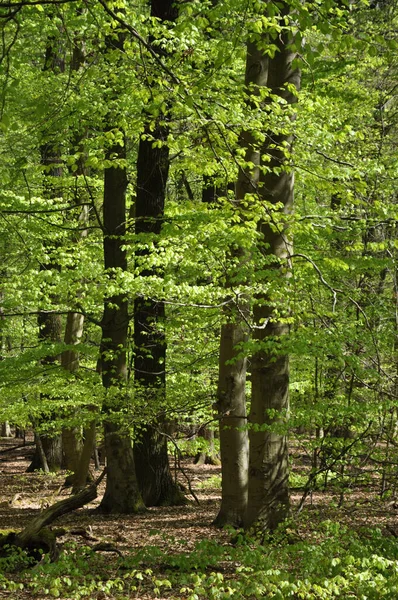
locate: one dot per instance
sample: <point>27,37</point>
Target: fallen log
<point>37,537</point>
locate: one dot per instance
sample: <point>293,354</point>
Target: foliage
<point>341,342</point>
<point>335,562</point>
<point>340,301</point>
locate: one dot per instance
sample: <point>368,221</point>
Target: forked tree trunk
<point>268,468</point>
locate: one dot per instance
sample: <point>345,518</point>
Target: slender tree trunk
<point>150,449</point>
<point>50,324</point>
<point>5,430</point>
<point>208,456</point>
<point>234,445</point>
<point>50,327</point>
<point>82,474</point>
<point>268,501</point>
<point>72,437</point>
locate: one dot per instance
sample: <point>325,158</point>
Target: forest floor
<point>168,531</point>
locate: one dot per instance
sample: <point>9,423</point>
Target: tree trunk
<point>6,430</point>
<point>50,324</point>
<point>155,479</point>
<point>234,445</point>
<point>150,450</point>
<point>82,474</point>
<point>208,456</point>
<point>153,471</point>
<point>36,538</point>
<point>233,435</point>
<point>71,437</point>
<point>122,494</point>
<point>268,501</point>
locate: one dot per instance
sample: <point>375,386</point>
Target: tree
<point>268,501</point>
<point>49,451</point>
<point>150,448</point>
<point>122,494</point>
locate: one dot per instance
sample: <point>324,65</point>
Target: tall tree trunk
<point>72,436</point>
<point>50,323</point>
<point>268,501</point>
<point>122,494</point>
<point>150,449</point>
<point>234,444</point>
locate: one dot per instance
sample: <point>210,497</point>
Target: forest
<point>198,299</point>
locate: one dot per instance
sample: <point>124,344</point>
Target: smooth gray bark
<point>268,467</point>
<point>231,392</point>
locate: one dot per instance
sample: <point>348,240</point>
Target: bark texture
<point>233,433</point>
<point>150,450</point>
<point>234,444</point>
<point>268,468</point>
<point>121,494</point>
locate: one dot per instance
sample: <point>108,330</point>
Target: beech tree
<point>150,448</point>
<point>159,106</point>
<point>268,501</point>
<point>122,493</point>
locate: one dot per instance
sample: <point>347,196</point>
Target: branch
<point>179,464</point>
<point>32,211</point>
<point>142,41</point>
<point>321,277</point>
<point>78,310</point>
<point>335,160</point>
<point>33,3</point>
<point>57,510</point>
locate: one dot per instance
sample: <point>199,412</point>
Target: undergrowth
<point>335,562</point>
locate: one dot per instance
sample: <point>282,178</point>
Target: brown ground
<point>23,494</point>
